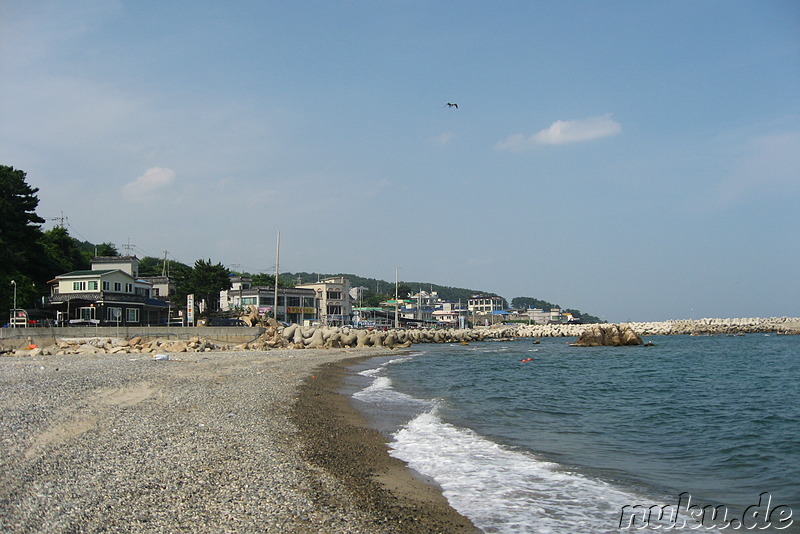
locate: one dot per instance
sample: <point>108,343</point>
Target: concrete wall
<point>14,338</point>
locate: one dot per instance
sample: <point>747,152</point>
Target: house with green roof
<point>110,293</point>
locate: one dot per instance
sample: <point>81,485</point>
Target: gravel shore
<point>203,442</point>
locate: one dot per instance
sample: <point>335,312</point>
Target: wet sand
<point>337,438</point>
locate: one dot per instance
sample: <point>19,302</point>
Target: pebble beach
<point>201,442</point>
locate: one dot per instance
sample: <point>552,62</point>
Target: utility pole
<point>164,268</point>
<point>128,247</point>
<point>396,309</point>
<point>61,219</point>
<point>277,270</point>
<point>14,313</point>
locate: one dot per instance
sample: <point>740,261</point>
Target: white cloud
<point>561,132</point>
<point>443,138</point>
<point>152,180</point>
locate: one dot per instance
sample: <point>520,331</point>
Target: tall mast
<point>277,267</point>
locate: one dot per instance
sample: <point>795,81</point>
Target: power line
<point>61,220</point>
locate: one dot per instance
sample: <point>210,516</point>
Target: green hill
<point>385,289</point>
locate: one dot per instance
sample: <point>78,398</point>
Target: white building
<point>451,314</point>
<point>333,300</point>
<point>540,316</point>
<point>484,304</point>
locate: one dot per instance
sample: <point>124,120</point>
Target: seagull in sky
<point>451,105</point>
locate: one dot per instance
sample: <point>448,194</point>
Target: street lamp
<point>14,313</point>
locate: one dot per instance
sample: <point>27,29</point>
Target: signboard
<point>298,309</point>
<point>190,309</point>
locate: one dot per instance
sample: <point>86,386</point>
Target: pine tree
<point>20,232</point>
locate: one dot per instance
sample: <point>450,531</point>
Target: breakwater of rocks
<point>309,337</point>
<point>756,325</point>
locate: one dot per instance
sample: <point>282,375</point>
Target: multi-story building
<point>554,315</point>
<point>333,300</point>
<point>163,286</point>
<point>451,314</point>
<point>295,305</point>
<point>484,304</point>
<point>109,293</point>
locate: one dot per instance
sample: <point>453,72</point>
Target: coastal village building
<point>333,300</point>
<point>553,316</point>
<point>295,305</point>
<point>426,309</point>
<point>163,286</point>
<point>484,304</point>
<point>450,314</point>
<point>110,293</point>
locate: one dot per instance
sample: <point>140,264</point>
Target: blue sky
<point>635,160</point>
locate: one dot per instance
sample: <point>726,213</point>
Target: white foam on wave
<point>375,371</point>
<point>381,388</point>
<point>381,392</point>
<point>503,490</point>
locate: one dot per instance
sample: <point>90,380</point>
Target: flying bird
<point>451,105</point>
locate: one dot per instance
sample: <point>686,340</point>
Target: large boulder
<point>608,335</point>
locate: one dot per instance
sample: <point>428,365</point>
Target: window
<point>114,314</point>
<point>128,288</point>
<point>132,315</point>
<point>308,302</point>
<point>334,294</point>
<point>155,292</point>
<point>79,286</point>
<point>92,285</point>
<point>106,285</point>
<point>87,313</point>
<point>246,301</point>
<point>117,286</point>
<point>293,301</point>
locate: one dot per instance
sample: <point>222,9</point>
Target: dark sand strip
<point>336,437</point>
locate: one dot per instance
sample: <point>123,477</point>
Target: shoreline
<point>338,438</point>
<point>202,442</point>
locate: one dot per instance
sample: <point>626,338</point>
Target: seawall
<point>15,338</point>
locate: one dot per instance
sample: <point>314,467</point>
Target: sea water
<point>525,437</point>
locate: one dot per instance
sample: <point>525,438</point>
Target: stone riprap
<point>778,325</point>
<point>310,337</point>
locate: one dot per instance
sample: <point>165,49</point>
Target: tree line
<point>32,257</point>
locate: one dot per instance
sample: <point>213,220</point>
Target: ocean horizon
<point>550,438</point>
